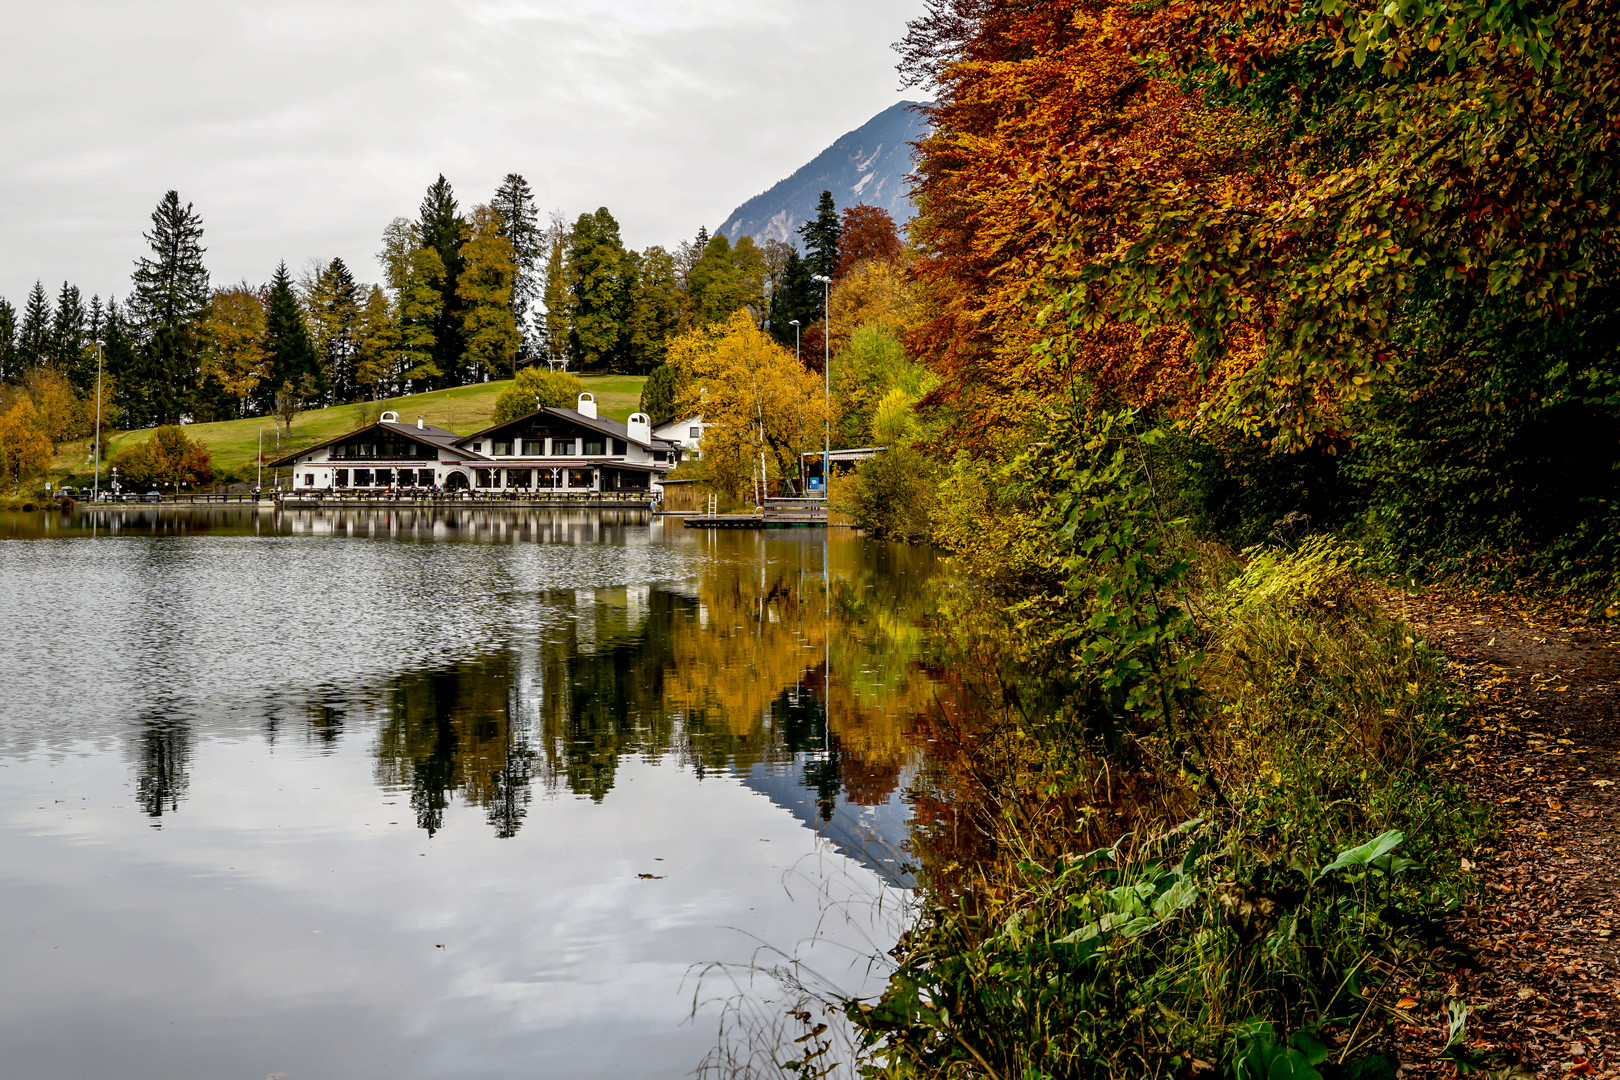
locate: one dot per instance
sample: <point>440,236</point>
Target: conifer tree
<point>441,229</point>
<point>167,303</point>
<point>795,297</point>
<point>421,305</point>
<point>34,339</point>
<point>118,357</point>
<point>291,363</point>
<point>68,336</point>
<point>520,225</point>
<point>8,341</point>
<point>334,313</point>
<point>821,235</point>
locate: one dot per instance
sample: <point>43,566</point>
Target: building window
<point>533,448</point>
<point>694,433</point>
<point>545,478</point>
<point>519,478</point>
<point>482,478</point>
<point>478,448</point>
<point>502,449</point>
<point>309,479</point>
<point>580,478</point>
<point>594,447</point>
<point>340,477</point>
<point>562,447</point>
<point>362,478</point>
<point>620,448</point>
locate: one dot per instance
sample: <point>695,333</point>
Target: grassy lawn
<point>462,409</point>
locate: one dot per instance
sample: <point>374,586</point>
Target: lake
<point>439,793</point>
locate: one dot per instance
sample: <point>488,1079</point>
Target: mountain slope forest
<point>1226,310</point>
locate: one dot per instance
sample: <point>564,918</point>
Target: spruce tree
<point>291,360</point>
<point>334,316</point>
<point>441,229</point>
<point>34,339</point>
<point>8,341</point>
<point>821,236</point>
<point>68,336</point>
<point>520,225</point>
<point>119,359</point>
<point>169,299</point>
<point>795,297</point>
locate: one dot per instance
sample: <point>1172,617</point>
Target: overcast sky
<point>299,129</point>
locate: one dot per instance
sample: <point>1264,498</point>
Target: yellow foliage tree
<point>57,402</point>
<point>873,293</point>
<point>233,328</point>
<point>25,448</point>
<point>487,277</point>
<point>760,405</point>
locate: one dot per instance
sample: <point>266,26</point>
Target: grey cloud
<point>299,130</point>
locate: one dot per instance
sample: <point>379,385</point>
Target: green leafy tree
<point>655,308</point>
<point>488,276</point>
<point>290,357</point>
<point>520,225</point>
<point>8,341</point>
<point>600,280</point>
<point>333,304</point>
<point>726,280</point>
<point>421,304</point>
<point>167,303</point>
<point>821,235</point>
<point>34,338</point>
<point>441,230</point>
<point>537,388</point>
<point>794,297</point>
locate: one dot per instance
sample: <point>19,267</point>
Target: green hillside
<point>463,409</point>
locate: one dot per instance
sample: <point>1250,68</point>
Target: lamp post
<point>826,371</point>
<point>95,491</point>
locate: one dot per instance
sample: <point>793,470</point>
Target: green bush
<point>535,388</point>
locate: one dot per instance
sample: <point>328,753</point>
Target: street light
<point>795,325</point>
<point>95,491</point>
<point>826,371</point>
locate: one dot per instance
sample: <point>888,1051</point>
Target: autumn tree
<point>488,277</point>
<point>866,232</point>
<point>761,408</point>
<point>167,304</point>
<point>25,447</point>
<point>377,345</point>
<point>234,356</point>
<point>169,458</point>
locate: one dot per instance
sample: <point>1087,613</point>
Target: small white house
<point>548,449</point>
<point>685,433</point>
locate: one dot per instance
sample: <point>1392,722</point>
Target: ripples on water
<point>373,794</point>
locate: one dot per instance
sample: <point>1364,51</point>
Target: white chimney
<point>639,427</point>
<point>587,405</point>
<point>420,423</point>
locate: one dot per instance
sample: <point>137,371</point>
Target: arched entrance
<point>456,481</point>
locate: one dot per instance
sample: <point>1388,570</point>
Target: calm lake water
<point>425,794</point>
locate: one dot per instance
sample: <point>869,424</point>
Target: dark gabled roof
<point>596,423</point>
<point>436,437</point>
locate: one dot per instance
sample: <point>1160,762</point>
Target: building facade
<point>547,450</point>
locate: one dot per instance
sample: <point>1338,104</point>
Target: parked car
<point>152,496</point>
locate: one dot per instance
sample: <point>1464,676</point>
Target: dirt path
<point>1544,747</point>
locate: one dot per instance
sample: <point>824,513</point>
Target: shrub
<point>536,388</point>
<point>170,458</point>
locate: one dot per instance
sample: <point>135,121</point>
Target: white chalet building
<point>547,450</point>
<point>685,433</point>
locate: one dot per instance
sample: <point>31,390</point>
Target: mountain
<point>868,165</point>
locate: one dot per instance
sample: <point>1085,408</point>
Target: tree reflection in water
<point>162,759</point>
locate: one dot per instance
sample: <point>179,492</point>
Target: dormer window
<point>502,449</point>
<point>594,447</point>
<point>562,447</point>
<point>533,447</point>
